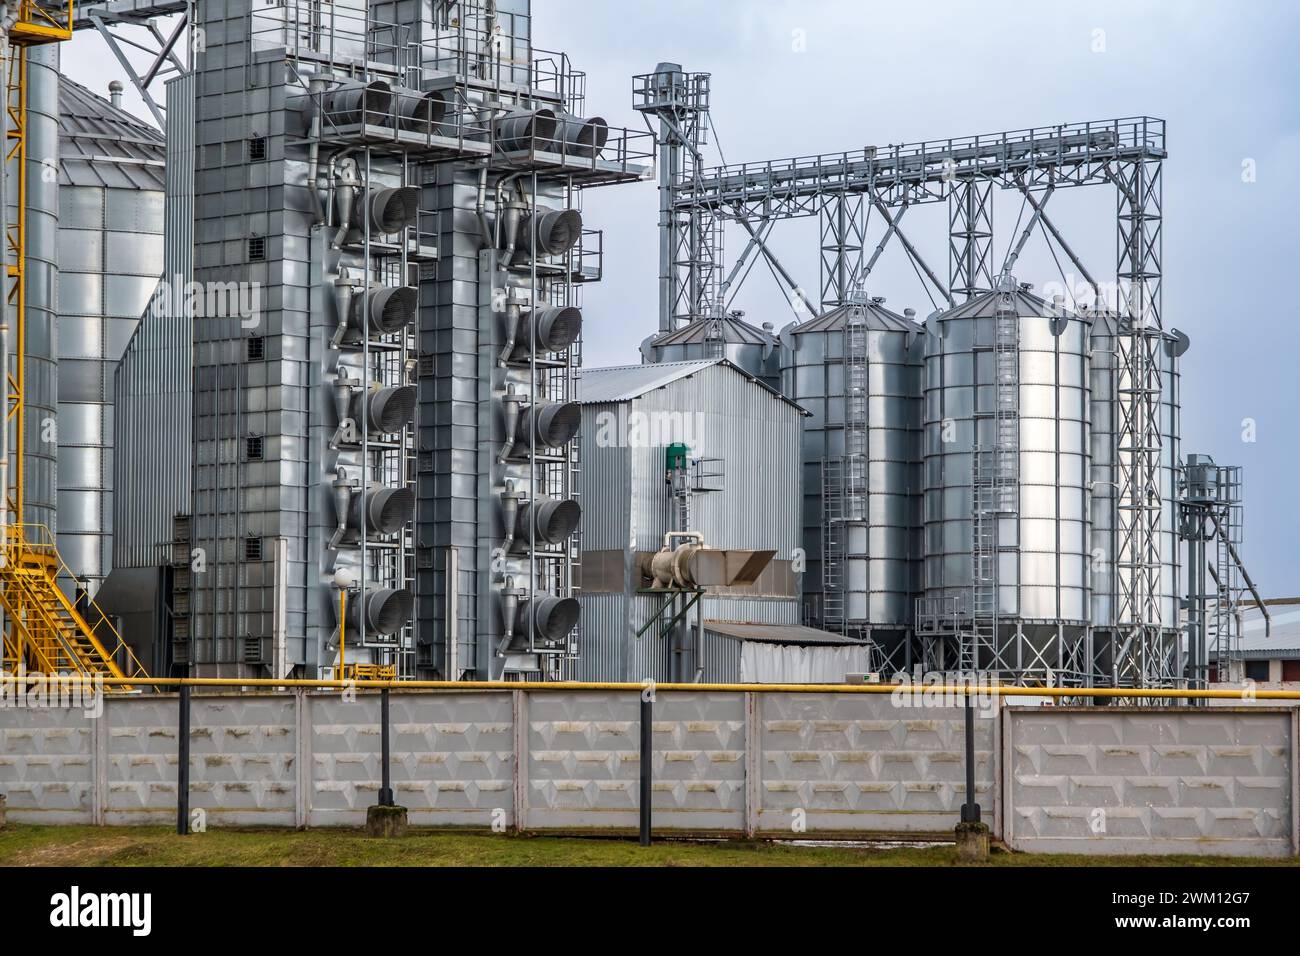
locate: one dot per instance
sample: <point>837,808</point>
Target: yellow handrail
<point>450,685</point>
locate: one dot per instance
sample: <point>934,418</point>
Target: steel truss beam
<point>970,238</point>
<point>1144,657</point>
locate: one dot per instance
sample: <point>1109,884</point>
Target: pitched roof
<point>622,383</point>
<point>103,145</point>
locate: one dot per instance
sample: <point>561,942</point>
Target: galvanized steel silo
<point>751,349</point>
<point>1007,356</point>
<point>40,387</point>
<point>1107,387</point>
<point>111,183</point>
<point>857,369</point>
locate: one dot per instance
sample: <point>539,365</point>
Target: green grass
<point>158,846</point>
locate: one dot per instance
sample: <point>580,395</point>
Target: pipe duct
<point>388,410</point>
<point>387,510</point>
<point>552,423</point>
<point>553,617</point>
<point>390,209</point>
<point>522,129</point>
<point>347,104</point>
<point>547,521</point>
<point>547,330</point>
<point>551,232</point>
<point>421,112</point>
<point>390,309</point>
<point>387,610</point>
<point>581,137</point>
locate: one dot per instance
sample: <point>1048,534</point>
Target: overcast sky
<point>794,78</point>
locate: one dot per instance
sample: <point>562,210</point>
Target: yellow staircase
<point>44,631</point>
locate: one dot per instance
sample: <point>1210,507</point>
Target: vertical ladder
<point>845,480</point>
<point>995,484</point>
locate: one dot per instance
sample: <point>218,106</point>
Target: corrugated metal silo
<point>753,349</point>
<point>40,391</point>
<point>111,182</point>
<point>1007,406</point>
<point>857,369</point>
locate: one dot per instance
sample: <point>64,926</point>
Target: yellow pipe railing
<point>445,685</point>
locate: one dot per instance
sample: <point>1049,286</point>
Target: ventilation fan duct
<point>550,233</point>
<point>387,510</point>
<point>522,129</point>
<point>346,105</point>
<point>549,330</point>
<point>553,423</point>
<point>421,112</point>
<point>551,521</point>
<point>390,210</point>
<point>388,410</point>
<point>582,137</point>
<point>390,308</point>
<point>548,618</point>
<point>387,610</point>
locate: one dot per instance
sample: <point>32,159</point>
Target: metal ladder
<point>845,481</point>
<point>995,483</point>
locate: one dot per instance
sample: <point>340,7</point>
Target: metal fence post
<point>647,761</point>
<point>970,810</point>
<point>183,761</point>
<point>386,751</point>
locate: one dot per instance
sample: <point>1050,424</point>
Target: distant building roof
<point>794,634</point>
<point>1284,639</point>
<point>622,383</point>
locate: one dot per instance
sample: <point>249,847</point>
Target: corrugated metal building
<point>749,437</point>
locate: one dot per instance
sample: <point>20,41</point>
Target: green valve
<point>677,455</point>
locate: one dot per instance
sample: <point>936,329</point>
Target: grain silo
<point>111,183</point>
<point>1007,543</point>
<point>857,370</point>
<point>753,349</point>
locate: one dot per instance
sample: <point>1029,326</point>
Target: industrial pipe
<point>386,611</point>
<point>581,137</point>
<point>520,129</point>
<point>390,309</point>
<point>546,330</point>
<point>547,521</point>
<point>388,410</point>
<point>421,112</point>
<point>554,618</point>
<point>356,101</point>
<point>385,510</point>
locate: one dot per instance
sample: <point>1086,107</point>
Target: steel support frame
<point>159,47</point>
<point>970,237</point>
<point>1146,651</point>
<point>843,228</point>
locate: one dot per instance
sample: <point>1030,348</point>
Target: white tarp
<point>762,663</point>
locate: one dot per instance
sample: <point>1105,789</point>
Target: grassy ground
<point>158,846</point>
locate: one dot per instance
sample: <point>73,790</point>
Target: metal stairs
<point>45,633</point>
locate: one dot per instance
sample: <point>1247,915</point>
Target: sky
<point>798,78</point>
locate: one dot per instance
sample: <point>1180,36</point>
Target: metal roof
<point>103,145</point>
<point>622,383</point>
<point>794,634</point>
<point>873,313</point>
<point>1284,639</point>
<point>1024,302</point>
<point>726,331</point>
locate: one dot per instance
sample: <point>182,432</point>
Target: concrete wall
<point>1169,780</point>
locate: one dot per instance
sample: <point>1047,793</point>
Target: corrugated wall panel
<point>153,386</point>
